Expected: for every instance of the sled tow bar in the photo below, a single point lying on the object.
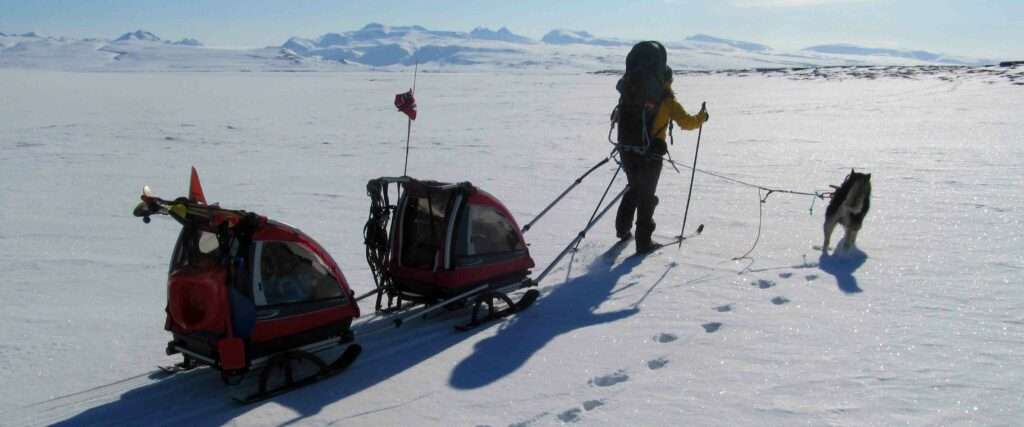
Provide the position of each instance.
(580, 236)
(564, 193)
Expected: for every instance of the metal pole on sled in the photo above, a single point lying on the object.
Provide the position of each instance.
(408, 130)
(564, 193)
(581, 235)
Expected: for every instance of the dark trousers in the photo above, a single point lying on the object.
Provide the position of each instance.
(643, 173)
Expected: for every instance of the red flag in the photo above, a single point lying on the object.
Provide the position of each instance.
(406, 104)
(195, 189)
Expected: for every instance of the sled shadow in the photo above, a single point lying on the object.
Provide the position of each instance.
(842, 266)
(198, 398)
(570, 305)
(185, 398)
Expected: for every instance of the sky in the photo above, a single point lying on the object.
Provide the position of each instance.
(976, 28)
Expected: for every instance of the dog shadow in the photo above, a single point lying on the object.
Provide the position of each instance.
(570, 306)
(842, 265)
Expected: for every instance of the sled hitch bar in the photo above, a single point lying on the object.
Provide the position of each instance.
(564, 193)
(580, 236)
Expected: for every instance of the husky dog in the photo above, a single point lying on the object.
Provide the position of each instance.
(849, 205)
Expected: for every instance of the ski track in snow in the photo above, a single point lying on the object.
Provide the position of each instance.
(919, 326)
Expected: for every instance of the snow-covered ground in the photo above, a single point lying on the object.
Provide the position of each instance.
(922, 325)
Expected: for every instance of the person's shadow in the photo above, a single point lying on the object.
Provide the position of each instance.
(570, 305)
(842, 265)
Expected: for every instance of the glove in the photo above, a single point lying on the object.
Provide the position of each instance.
(703, 116)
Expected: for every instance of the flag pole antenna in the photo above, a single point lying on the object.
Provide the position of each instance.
(408, 130)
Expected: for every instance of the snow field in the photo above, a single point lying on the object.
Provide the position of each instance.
(919, 326)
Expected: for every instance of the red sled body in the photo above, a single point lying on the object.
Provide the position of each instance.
(440, 240)
(243, 289)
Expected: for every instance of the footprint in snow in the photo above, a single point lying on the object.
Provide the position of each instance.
(724, 308)
(763, 284)
(530, 421)
(665, 337)
(711, 327)
(785, 275)
(811, 277)
(609, 380)
(570, 416)
(656, 364)
(780, 300)
(573, 415)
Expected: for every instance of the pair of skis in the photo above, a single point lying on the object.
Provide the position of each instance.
(677, 240)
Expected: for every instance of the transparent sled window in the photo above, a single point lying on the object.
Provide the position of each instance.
(484, 235)
(423, 229)
(290, 273)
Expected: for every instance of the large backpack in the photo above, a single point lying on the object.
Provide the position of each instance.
(641, 90)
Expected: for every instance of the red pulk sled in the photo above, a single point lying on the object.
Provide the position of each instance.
(444, 245)
(247, 293)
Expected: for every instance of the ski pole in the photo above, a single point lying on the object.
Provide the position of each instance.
(693, 173)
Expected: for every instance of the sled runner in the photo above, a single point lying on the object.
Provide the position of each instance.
(246, 293)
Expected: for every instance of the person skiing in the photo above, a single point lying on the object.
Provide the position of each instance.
(646, 107)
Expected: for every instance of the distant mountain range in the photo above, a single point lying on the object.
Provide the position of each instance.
(580, 37)
(748, 46)
(381, 46)
(147, 36)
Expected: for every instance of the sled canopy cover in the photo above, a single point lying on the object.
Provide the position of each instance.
(447, 237)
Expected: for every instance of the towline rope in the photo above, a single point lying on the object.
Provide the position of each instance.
(817, 194)
(763, 192)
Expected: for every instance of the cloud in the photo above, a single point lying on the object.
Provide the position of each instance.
(790, 3)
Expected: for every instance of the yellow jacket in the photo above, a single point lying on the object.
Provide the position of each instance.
(671, 110)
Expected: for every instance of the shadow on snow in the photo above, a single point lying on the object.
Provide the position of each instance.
(199, 398)
(842, 266)
(569, 306)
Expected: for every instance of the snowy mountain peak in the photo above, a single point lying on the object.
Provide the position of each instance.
(375, 30)
(374, 26)
(138, 35)
(188, 42)
(298, 44)
(920, 55)
(503, 34)
(579, 37)
(742, 45)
